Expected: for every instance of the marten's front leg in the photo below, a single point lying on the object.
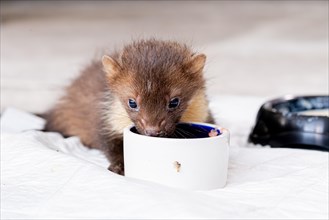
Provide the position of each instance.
(114, 152)
(117, 166)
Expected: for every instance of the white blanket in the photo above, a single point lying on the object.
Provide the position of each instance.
(46, 176)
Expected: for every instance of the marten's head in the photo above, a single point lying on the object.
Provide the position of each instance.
(155, 82)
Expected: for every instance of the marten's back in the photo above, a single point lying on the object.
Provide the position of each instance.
(78, 112)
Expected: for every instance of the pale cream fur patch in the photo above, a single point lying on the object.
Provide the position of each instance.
(117, 118)
(197, 110)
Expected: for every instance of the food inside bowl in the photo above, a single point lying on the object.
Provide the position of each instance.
(189, 130)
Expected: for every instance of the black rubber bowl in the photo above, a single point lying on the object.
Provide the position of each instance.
(293, 122)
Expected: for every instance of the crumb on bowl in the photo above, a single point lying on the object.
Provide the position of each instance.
(177, 166)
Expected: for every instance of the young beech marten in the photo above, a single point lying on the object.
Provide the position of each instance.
(150, 83)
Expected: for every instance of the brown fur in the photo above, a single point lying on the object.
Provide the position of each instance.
(152, 72)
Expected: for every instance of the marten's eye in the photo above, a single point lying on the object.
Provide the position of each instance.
(132, 104)
(174, 103)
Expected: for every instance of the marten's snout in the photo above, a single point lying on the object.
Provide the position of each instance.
(153, 130)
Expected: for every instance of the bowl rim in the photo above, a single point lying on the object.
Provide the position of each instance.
(224, 133)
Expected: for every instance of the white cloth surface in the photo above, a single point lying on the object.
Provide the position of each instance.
(15, 121)
(46, 176)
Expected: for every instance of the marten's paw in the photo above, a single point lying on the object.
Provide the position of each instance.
(117, 168)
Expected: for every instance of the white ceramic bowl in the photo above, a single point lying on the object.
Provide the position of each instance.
(189, 163)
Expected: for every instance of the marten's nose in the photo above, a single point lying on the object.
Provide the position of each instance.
(152, 131)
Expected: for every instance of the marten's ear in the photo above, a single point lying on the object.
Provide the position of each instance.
(111, 67)
(197, 63)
